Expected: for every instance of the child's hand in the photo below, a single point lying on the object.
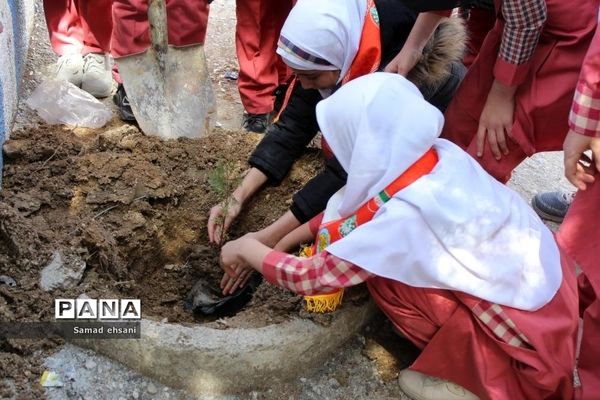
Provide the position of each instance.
(575, 160)
(231, 284)
(496, 120)
(217, 213)
(238, 259)
(231, 256)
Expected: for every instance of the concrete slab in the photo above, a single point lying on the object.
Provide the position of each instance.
(206, 361)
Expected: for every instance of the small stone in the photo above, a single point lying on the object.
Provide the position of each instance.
(135, 394)
(15, 148)
(152, 389)
(63, 272)
(303, 380)
(7, 280)
(333, 383)
(90, 364)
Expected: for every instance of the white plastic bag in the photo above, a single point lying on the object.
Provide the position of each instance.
(61, 102)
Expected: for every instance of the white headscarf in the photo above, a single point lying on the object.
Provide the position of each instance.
(455, 228)
(327, 29)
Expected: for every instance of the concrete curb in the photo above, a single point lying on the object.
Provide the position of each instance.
(207, 361)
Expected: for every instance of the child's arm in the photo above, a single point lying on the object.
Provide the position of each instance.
(303, 234)
(524, 23)
(318, 274)
(412, 51)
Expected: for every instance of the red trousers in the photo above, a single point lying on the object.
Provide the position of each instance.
(459, 346)
(480, 22)
(186, 20)
(79, 26)
(258, 26)
(579, 236)
(542, 101)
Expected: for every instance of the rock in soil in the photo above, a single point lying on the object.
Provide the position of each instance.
(63, 272)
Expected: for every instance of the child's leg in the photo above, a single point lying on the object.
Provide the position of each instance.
(258, 26)
(64, 26)
(417, 313)
(96, 22)
(579, 236)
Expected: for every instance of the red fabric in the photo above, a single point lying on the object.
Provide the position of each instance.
(258, 26)
(79, 26)
(319, 274)
(579, 236)
(587, 364)
(368, 57)
(186, 21)
(585, 112)
(459, 346)
(480, 22)
(524, 21)
(542, 101)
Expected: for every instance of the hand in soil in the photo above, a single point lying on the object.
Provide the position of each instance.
(231, 257)
(230, 284)
(220, 218)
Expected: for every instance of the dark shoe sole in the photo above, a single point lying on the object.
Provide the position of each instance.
(545, 215)
(123, 114)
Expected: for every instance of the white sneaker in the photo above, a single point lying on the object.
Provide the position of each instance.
(70, 68)
(97, 76)
(424, 387)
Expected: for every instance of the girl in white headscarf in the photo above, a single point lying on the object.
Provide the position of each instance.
(328, 43)
(459, 263)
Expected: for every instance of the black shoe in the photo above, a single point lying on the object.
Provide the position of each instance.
(552, 206)
(122, 102)
(256, 122)
(279, 94)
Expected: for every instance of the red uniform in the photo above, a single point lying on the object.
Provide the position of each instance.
(79, 26)
(545, 72)
(258, 26)
(579, 234)
(494, 351)
(480, 22)
(186, 20)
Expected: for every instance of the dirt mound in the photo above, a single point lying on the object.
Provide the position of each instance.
(134, 208)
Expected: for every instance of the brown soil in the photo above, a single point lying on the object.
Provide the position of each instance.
(135, 208)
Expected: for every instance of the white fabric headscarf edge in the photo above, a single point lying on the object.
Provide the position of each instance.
(328, 29)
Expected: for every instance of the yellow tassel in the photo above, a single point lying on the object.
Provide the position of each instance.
(324, 303)
(306, 251)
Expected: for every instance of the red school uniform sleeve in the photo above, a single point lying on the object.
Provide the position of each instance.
(585, 112)
(524, 23)
(322, 273)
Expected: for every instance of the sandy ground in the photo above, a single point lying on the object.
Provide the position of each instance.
(365, 368)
